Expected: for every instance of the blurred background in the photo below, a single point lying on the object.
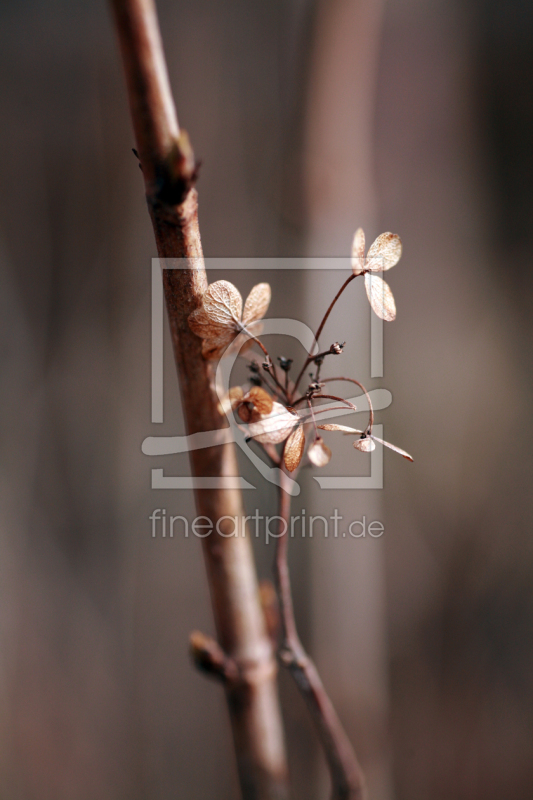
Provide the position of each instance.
(311, 118)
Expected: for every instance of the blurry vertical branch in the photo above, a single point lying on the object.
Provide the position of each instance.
(248, 668)
(347, 779)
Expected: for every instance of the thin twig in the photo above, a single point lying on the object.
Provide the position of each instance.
(368, 400)
(347, 780)
(321, 327)
(169, 172)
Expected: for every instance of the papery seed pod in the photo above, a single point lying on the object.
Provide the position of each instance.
(366, 445)
(319, 453)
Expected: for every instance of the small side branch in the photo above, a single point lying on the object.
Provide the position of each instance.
(209, 657)
(347, 780)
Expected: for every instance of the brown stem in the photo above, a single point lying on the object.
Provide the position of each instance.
(368, 400)
(271, 368)
(347, 780)
(310, 405)
(333, 397)
(321, 327)
(166, 163)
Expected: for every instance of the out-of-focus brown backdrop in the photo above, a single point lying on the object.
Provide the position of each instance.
(310, 119)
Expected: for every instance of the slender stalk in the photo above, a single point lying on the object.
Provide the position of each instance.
(347, 780)
(169, 172)
(368, 400)
(271, 368)
(321, 328)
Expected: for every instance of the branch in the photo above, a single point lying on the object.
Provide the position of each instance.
(169, 172)
(347, 780)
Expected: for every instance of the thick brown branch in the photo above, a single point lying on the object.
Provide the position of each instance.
(166, 162)
(347, 780)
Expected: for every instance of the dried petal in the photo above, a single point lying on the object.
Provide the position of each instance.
(384, 253)
(393, 447)
(257, 303)
(261, 400)
(255, 405)
(235, 395)
(366, 445)
(274, 427)
(217, 319)
(342, 428)
(222, 303)
(230, 400)
(202, 325)
(294, 448)
(319, 453)
(358, 250)
(380, 297)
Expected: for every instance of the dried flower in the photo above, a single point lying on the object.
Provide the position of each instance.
(254, 405)
(383, 254)
(366, 441)
(220, 318)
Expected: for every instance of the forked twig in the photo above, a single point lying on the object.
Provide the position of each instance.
(347, 780)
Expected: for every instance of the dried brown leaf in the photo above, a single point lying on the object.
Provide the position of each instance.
(393, 447)
(384, 253)
(358, 250)
(342, 428)
(319, 453)
(294, 448)
(257, 303)
(380, 297)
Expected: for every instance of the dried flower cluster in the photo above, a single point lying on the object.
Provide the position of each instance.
(273, 410)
